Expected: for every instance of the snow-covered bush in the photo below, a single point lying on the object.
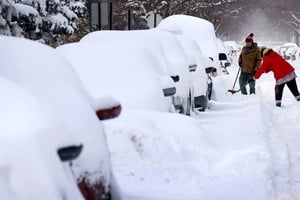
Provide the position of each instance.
(40, 19)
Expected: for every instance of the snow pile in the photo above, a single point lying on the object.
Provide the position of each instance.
(155, 154)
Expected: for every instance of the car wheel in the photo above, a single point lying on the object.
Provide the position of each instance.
(189, 104)
(201, 103)
(209, 90)
(179, 109)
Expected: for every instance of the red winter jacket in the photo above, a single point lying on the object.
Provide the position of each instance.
(272, 61)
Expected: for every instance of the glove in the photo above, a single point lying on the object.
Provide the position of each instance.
(251, 80)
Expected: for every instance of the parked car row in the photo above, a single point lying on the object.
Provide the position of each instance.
(177, 56)
(157, 54)
(289, 51)
(51, 136)
(55, 100)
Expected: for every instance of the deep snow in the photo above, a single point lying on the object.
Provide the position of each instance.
(243, 147)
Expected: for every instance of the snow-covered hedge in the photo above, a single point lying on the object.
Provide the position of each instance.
(40, 19)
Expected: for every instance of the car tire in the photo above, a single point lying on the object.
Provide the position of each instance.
(201, 103)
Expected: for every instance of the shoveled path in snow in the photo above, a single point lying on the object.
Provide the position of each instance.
(243, 147)
(234, 150)
(244, 123)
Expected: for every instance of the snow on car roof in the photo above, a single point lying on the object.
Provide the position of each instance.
(164, 45)
(198, 29)
(124, 72)
(140, 38)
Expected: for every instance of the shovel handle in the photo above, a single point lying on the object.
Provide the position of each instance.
(236, 78)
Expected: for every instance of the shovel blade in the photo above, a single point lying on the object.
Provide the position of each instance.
(232, 91)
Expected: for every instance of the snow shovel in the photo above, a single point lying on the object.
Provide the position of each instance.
(235, 91)
(231, 90)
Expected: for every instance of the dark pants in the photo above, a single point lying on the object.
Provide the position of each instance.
(292, 85)
(243, 80)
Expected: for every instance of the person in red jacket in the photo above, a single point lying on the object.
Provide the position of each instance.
(284, 73)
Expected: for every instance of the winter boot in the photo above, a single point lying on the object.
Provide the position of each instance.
(278, 103)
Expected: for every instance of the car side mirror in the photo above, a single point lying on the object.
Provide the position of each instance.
(227, 64)
(169, 91)
(175, 78)
(168, 85)
(107, 108)
(69, 153)
(222, 56)
(209, 70)
(192, 68)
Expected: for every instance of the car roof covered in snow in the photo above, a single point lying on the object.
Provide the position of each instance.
(125, 72)
(201, 30)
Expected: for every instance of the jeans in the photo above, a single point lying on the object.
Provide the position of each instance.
(243, 80)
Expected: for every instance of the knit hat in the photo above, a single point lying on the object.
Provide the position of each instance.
(264, 50)
(249, 38)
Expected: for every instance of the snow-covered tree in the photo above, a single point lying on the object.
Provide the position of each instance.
(40, 19)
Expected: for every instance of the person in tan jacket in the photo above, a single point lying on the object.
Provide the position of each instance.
(249, 62)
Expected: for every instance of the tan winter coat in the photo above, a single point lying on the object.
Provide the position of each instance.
(250, 59)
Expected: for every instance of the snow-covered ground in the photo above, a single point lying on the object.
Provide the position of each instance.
(243, 147)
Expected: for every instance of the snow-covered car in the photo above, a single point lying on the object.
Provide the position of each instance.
(289, 51)
(45, 74)
(201, 69)
(167, 49)
(177, 66)
(200, 30)
(223, 56)
(34, 143)
(121, 70)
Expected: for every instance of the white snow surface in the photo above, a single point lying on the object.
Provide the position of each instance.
(243, 147)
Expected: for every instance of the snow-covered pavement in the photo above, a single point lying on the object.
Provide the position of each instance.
(243, 147)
